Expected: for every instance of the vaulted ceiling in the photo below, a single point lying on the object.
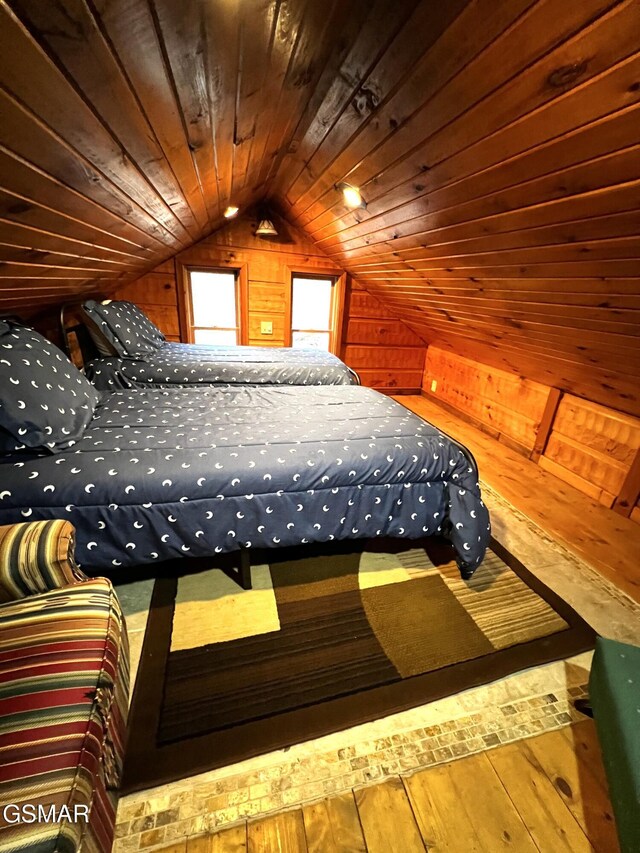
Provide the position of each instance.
(496, 143)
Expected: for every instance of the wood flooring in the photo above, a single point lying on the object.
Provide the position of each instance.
(547, 794)
(606, 540)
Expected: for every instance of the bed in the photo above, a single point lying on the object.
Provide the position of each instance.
(150, 475)
(134, 354)
(193, 364)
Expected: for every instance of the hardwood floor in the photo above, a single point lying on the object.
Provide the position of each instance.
(547, 794)
(606, 540)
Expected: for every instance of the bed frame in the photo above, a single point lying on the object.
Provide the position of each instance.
(77, 341)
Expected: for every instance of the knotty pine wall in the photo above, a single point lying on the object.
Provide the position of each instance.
(592, 447)
(506, 406)
(385, 352)
(496, 145)
(157, 294)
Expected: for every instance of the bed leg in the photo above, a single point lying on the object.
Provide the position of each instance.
(244, 569)
(241, 573)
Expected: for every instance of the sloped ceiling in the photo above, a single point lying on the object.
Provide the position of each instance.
(495, 141)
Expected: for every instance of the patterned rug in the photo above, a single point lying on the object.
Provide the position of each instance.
(326, 639)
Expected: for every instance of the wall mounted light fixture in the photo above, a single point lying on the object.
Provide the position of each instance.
(351, 195)
(231, 211)
(266, 228)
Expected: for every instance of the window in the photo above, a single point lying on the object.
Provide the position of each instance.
(214, 309)
(312, 312)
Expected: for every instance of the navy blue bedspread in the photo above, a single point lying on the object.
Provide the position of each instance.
(168, 473)
(193, 364)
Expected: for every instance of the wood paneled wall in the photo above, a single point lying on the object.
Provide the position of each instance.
(384, 351)
(156, 293)
(497, 147)
(593, 448)
(505, 405)
(269, 264)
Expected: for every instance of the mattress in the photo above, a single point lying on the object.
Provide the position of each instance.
(160, 474)
(193, 364)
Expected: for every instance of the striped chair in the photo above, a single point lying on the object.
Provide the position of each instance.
(64, 684)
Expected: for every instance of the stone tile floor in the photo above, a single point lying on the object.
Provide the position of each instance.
(516, 707)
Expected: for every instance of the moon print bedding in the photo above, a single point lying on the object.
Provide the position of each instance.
(159, 474)
(193, 364)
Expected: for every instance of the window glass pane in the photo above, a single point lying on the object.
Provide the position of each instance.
(311, 308)
(310, 340)
(220, 337)
(213, 296)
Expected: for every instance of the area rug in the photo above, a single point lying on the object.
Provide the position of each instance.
(325, 640)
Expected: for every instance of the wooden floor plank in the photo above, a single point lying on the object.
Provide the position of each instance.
(583, 740)
(606, 540)
(176, 847)
(333, 826)
(280, 833)
(487, 807)
(232, 840)
(443, 824)
(387, 819)
(545, 794)
(580, 783)
(539, 804)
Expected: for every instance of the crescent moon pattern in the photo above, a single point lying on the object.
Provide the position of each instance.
(371, 469)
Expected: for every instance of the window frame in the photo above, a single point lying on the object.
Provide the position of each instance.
(185, 308)
(336, 318)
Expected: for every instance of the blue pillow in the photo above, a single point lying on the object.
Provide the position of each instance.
(45, 402)
(125, 327)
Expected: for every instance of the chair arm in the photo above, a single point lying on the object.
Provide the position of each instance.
(35, 557)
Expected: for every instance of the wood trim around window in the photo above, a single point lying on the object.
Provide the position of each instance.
(337, 302)
(184, 297)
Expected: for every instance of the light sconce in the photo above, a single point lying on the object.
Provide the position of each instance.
(231, 211)
(351, 195)
(266, 228)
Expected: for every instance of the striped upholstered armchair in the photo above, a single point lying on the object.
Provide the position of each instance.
(64, 683)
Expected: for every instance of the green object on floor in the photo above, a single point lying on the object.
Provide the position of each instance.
(614, 687)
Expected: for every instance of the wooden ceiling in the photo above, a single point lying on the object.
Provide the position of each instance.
(128, 126)
(495, 141)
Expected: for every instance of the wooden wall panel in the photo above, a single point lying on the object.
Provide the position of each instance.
(501, 174)
(507, 406)
(384, 332)
(592, 447)
(268, 265)
(384, 351)
(156, 294)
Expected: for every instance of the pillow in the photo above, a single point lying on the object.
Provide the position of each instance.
(45, 402)
(125, 327)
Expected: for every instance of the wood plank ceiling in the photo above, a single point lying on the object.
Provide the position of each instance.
(496, 143)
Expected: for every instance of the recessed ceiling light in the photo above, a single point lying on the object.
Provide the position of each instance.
(231, 211)
(351, 195)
